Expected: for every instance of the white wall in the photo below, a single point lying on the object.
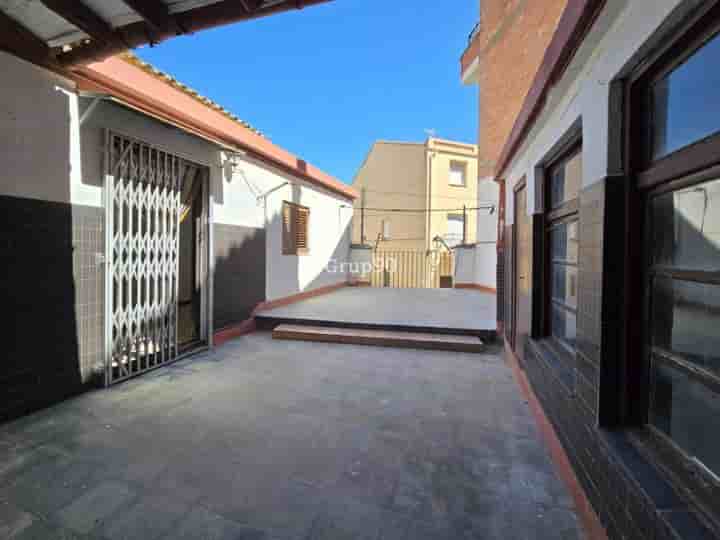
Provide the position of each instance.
(583, 92)
(236, 203)
(477, 265)
(235, 190)
(109, 115)
(487, 222)
(330, 228)
(45, 154)
(464, 265)
(38, 135)
(486, 265)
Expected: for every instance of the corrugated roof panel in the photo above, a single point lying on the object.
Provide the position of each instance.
(41, 21)
(56, 31)
(117, 13)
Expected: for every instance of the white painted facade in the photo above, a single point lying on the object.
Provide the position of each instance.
(478, 264)
(583, 93)
(252, 195)
(47, 155)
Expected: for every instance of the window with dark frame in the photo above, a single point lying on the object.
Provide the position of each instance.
(679, 178)
(295, 220)
(563, 183)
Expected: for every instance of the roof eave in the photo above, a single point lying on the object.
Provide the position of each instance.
(146, 93)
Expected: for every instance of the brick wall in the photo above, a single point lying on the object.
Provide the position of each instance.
(512, 42)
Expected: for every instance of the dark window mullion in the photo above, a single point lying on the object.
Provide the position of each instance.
(563, 305)
(564, 211)
(699, 276)
(709, 379)
(564, 262)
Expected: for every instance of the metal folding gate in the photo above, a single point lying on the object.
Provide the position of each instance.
(143, 185)
(412, 269)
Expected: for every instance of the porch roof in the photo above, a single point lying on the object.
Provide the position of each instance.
(71, 32)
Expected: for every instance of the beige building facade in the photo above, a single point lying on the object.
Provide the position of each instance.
(413, 193)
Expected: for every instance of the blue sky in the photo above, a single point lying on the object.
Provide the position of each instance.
(326, 82)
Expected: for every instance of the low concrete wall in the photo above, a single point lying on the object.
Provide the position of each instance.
(361, 259)
(476, 266)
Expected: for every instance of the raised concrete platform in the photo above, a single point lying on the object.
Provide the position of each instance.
(379, 338)
(445, 311)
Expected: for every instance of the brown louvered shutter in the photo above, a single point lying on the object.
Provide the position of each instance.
(288, 238)
(295, 219)
(302, 218)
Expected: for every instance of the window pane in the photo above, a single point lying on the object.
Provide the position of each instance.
(564, 325)
(564, 284)
(688, 412)
(566, 180)
(686, 227)
(686, 103)
(686, 321)
(564, 242)
(457, 173)
(455, 229)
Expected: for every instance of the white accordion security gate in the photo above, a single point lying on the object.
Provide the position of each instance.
(143, 188)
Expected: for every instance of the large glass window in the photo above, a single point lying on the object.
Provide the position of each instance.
(675, 310)
(564, 182)
(685, 103)
(685, 319)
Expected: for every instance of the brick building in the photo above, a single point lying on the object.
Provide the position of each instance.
(611, 257)
(504, 52)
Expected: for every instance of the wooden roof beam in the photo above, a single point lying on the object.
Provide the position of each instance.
(84, 18)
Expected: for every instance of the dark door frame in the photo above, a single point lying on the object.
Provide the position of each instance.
(521, 185)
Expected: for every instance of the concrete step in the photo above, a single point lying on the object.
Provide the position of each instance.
(380, 338)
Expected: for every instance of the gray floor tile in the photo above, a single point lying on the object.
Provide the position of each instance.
(290, 441)
(13, 520)
(201, 524)
(95, 506)
(149, 517)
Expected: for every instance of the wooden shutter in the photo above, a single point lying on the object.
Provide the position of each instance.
(288, 239)
(301, 229)
(295, 219)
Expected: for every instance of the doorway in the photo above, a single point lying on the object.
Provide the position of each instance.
(156, 284)
(190, 271)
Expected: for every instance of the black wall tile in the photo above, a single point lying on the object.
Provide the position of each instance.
(239, 273)
(629, 493)
(52, 288)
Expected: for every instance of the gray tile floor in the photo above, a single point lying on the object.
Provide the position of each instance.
(464, 309)
(279, 440)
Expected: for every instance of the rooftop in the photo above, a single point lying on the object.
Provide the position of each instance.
(153, 92)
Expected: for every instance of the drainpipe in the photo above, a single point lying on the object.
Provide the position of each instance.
(428, 198)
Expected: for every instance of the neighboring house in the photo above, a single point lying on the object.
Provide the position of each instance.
(504, 52)
(141, 221)
(430, 183)
(612, 300)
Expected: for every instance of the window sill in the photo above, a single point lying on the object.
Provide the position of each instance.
(697, 491)
(296, 253)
